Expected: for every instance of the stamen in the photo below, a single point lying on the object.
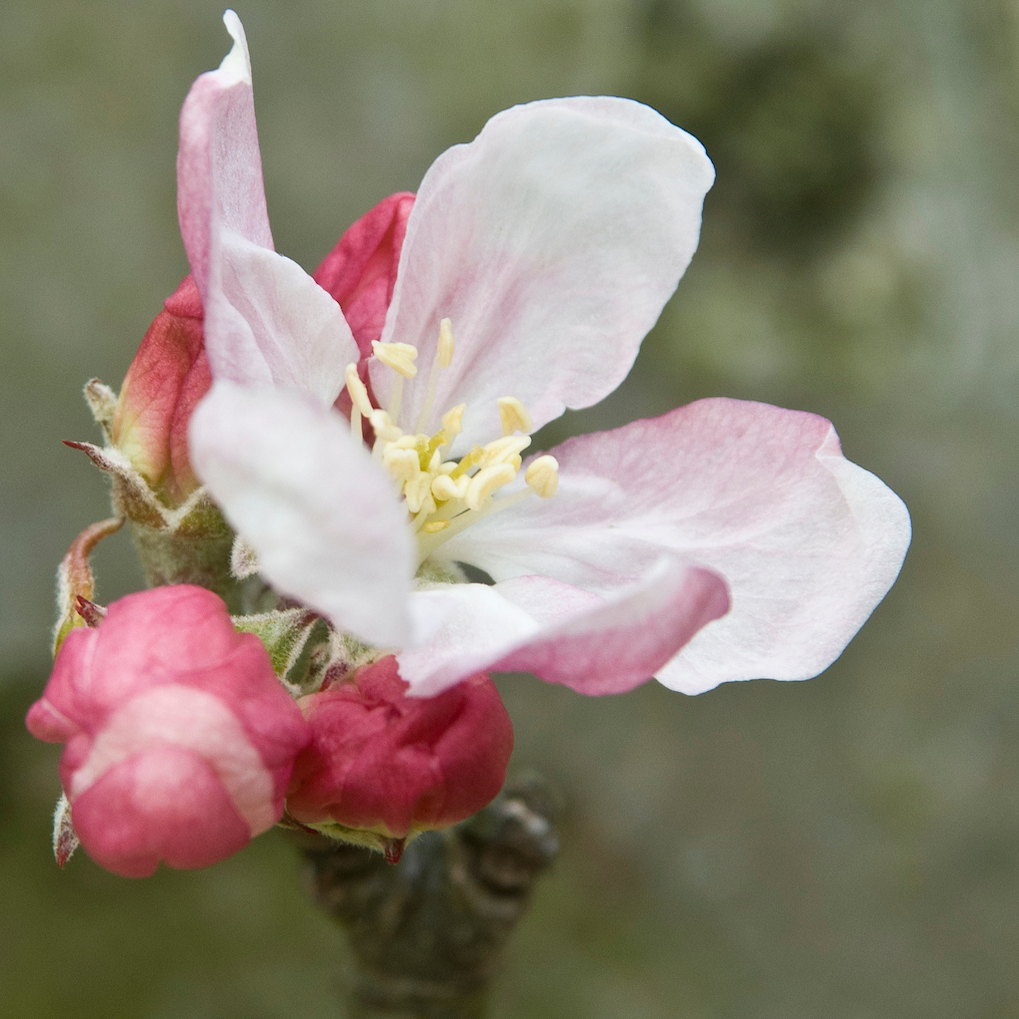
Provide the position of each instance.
(443, 359)
(427, 545)
(398, 356)
(514, 416)
(418, 494)
(446, 344)
(485, 482)
(453, 420)
(395, 397)
(505, 449)
(443, 496)
(403, 464)
(383, 425)
(445, 488)
(543, 476)
(361, 405)
(472, 458)
(358, 391)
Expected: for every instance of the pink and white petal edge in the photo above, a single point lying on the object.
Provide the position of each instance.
(266, 320)
(808, 542)
(321, 516)
(561, 633)
(552, 242)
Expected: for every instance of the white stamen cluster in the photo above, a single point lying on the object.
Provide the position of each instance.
(445, 496)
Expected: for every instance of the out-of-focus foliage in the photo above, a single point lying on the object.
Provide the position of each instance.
(847, 847)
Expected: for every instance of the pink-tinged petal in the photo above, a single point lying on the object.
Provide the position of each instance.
(623, 642)
(561, 633)
(360, 272)
(552, 242)
(219, 166)
(394, 764)
(167, 377)
(166, 804)
(267, 322)
(807, 541)
(323, 518)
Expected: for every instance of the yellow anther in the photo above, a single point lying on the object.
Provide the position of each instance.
(543, 476)
(446, 344)
(445, 488)
(452, 420)
(404, 442)
(398, 356)
(505, 449)
(434, 526)
(513, 415)
(403, 464)
(358, 392)
(383, 426)
(472, 458)
(418, 493)
(485, 482)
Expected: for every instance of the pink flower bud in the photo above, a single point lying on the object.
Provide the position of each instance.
(180, 740)
(394, 765)
(167, 378)
(360, 272)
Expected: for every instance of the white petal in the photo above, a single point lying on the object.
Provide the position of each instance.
(552, 242)
(268, 322)
(323, 519)
(808, 542)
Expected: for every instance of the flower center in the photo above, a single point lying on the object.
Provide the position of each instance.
(443, 496)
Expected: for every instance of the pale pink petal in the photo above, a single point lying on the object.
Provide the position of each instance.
(219, 167)
(807, 541)
(552, 242)
(561, 633)
(322, 517)
(266, 320)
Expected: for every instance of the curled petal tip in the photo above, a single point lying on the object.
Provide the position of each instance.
(237, 62)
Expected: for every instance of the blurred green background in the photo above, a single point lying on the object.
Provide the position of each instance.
(847, 847)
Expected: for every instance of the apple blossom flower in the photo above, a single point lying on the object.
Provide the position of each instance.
(382, 766)
(724, 541)
(180, 740)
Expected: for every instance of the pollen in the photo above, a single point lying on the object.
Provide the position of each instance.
(443, 495)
